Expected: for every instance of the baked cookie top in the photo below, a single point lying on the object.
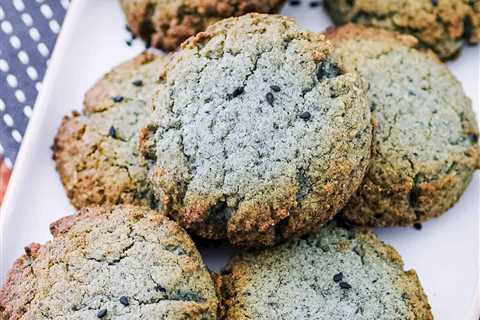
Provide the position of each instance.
(257, 134)
(135, 79)
(167, 23)
(425, 145)
(96, 152)
(440, 24)
(120, 262)
(96, 155)
(334, 275)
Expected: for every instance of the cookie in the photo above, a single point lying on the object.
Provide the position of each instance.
(135, 79)
(166, 24)
(441, 25)
(120, 262)
(257, 135)
(425, 146)
(96, 155)
(334, 275)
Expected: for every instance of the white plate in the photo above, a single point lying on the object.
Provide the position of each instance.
(445, 252)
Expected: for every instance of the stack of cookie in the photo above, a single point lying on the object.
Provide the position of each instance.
(256, 132)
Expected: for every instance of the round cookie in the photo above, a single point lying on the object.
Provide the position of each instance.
(425, 146)
(441, 25)
(135, 79)
(166, 24)
(96, 152)
(334, 275)
(96, 155)
(116, 263)
(257, 135)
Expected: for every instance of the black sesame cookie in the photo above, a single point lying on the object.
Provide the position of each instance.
(96, 156)
(336, 274)
(165, 24)
(134, 79)
(425, 146)
(120, 262)
(96, 152)
(441, 25)
(257, 134)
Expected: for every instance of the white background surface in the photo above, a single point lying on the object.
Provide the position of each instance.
(445, 252)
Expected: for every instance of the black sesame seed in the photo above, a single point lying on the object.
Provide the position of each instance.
(305, 115)
(327, 70)
(159, 288)
(295, 3)
(124, 301)
(112, 132)
(345, 285)
(238, 92)
(314, 4)
(338, 277)
(417, 226)
(473, 137)
(275, 88)
(344, 224)
(468, 27)
(270, 98)
(137, 83)
(117, 98)
(102, 313)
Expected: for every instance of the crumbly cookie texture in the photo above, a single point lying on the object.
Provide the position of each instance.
(425, 146)
(96, 155)
(117, 263)
(441, 25)
(166, 24)
(135, 79)
(257, 134)
(334, 275)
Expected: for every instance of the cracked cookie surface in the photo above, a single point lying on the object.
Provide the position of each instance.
(334, 275)
(96, 153)
(167, 23)
(257, 135)
(117, 263)
(425, 146)
(441, 25)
